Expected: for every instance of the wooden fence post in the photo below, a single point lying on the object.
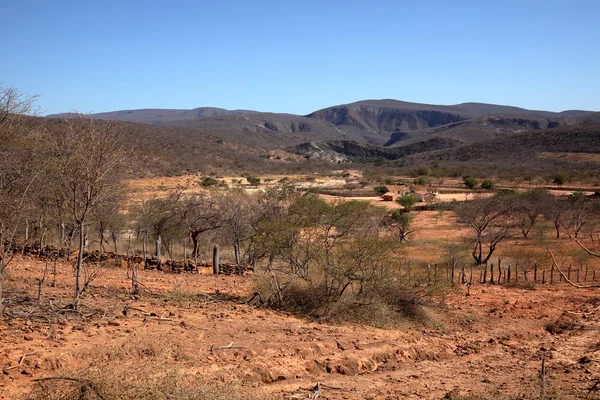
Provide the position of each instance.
(484, 274)
(471, 276)
(543, 276)
(216, 260)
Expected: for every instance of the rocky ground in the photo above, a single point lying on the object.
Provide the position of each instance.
(489, 344)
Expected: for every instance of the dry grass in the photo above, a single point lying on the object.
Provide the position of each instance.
(144, 367)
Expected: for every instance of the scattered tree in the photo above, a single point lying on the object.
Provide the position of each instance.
(488, 219)
(88, 156)
(469, 181)
(407, 201)
(487, 184)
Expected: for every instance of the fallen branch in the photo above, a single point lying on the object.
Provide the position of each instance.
(228, 347)
(583, 247)
(253, 297)
(21, 360)
(567, 279)
(86, 382)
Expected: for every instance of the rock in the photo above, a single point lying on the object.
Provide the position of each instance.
(584, 360)
(29, 338)
(113, 323)
(259, 374)
(348, 367)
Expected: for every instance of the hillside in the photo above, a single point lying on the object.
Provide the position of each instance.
(382, 122)
(173, 150)
(156, 116)
(563, 148)
(209, 140)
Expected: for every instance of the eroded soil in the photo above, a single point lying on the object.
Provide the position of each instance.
(488, 344)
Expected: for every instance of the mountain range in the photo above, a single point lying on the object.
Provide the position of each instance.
(363, 130)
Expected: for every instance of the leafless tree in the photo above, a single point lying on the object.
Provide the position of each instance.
(88, 156)
(489, 220)
(555, 211)
(239, 209)
(201, 213)
(530, 207)
(160, 218)
(20, 170)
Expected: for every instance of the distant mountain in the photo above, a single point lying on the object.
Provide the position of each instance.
(390, 121)
(563, 148)
(157, 116)
(369, 129)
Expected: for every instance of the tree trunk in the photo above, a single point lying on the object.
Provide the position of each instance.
(216, 260)
(236, 248)
(158, 251)
(115, 238)
(101, 243)
(1, 285)
(145, 249)
(79, 263)
(63, 234)
(194, 238)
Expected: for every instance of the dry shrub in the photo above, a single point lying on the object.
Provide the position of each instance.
(530, 285)
(144, 367)
(384, 305)
(144, 382)
(184, 299)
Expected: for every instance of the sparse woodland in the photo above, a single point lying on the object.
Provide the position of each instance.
(63, 194)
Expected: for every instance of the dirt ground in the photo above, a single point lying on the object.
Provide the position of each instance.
(488, 344)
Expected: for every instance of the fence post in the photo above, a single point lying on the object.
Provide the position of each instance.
(543, 276)
(484, 274)
(216, 264)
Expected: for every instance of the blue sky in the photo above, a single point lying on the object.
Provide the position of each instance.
(300, 56)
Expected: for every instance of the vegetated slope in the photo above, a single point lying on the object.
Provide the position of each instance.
(268, 129)
(157, 116)
(512, 152)
(174, 150)
(518, 152)
(481, 128)
(349, 150)
(523, 147)
(391, 121)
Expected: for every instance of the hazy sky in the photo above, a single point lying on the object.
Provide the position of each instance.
(300, 56)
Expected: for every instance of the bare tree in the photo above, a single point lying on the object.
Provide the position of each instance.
(489, 219)
(20, 170)
(108, 220)
(555, 211)
(88, 158)
(238, 211)
(401, 223)
(577, 214)
(160, 218)
(201, 213)
(530, 208)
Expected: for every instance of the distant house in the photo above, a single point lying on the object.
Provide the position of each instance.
(392, 192)
(389, 196)
(423, 193)
(397, 189)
